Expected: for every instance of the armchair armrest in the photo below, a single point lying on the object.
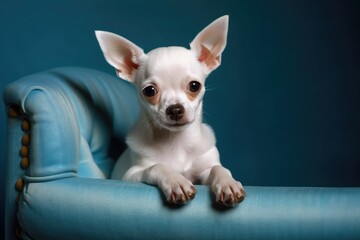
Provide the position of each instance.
(67, 108)
(61, 124)
(78, 208)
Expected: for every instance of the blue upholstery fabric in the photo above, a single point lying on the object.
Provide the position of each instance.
(79, 107)
(108, 209)
(78, 120)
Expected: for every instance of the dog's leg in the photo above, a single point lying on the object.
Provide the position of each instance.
(227, 190)
(176, 188)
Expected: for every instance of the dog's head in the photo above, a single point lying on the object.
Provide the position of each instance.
(170, 80)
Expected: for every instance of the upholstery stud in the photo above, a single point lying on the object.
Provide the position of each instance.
(25, 163)
(13, 111)
(19, 185)
(24, 151)
(26, 140)
(25, 125)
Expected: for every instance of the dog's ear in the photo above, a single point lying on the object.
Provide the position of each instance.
(210, 43)
(120, 53)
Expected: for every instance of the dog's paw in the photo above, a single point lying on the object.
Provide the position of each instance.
(178, 189)
(228, 192)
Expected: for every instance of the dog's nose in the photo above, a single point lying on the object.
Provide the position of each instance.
(175, 112)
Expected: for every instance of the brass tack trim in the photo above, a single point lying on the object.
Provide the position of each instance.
(19, 185)
(13, 111)
(25, 163)
(26, 140)
(24, 151)
(25, 125)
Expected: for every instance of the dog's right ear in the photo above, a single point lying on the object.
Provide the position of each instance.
(120, 53)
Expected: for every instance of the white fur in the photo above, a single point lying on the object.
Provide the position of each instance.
(169, 146)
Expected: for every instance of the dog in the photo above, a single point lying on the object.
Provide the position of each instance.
(169, 146)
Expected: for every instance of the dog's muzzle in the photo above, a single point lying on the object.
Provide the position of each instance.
(175, 112)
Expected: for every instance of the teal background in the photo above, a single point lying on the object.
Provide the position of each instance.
(284, 104)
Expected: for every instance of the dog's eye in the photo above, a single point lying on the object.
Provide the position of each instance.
(149, 91)
(194, 86)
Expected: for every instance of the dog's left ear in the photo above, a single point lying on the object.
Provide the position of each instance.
(210, 43)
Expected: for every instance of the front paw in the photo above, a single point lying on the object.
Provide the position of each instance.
(228, 192)
(178, 189)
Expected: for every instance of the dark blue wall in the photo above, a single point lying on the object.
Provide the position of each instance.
(284, 104)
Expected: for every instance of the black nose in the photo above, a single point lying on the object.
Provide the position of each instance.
(175, 112)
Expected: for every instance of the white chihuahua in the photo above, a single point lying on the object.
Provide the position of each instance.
(170, 146)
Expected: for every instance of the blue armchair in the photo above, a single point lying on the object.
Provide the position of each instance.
(65, 128)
